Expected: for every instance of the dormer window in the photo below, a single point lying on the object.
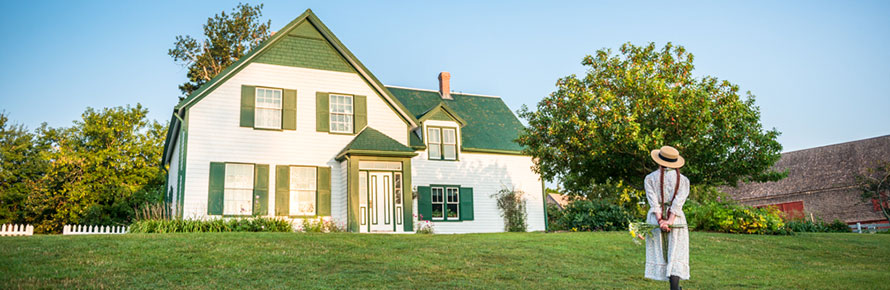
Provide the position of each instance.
(442, 143)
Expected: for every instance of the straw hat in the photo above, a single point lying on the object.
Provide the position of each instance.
(668, 156)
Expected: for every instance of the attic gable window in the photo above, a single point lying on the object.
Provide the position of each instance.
(268, 109)
(442, 143)
(341, 113)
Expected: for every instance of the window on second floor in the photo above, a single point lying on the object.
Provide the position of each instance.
(341, 114)
(442, 143)
(268, 108)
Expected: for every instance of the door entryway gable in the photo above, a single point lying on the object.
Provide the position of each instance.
(379, 196)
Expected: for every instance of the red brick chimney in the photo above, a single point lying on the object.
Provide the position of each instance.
(445, 85)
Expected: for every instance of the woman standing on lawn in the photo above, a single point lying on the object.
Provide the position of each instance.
(666, 191)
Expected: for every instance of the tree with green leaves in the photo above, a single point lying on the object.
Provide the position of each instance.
(98, 171)
(21, 162)
(228, 37)
(875, 186)
(602, 127)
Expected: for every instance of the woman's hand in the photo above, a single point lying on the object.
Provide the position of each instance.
(665, 227)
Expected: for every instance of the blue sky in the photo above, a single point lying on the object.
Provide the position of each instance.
(820, 70)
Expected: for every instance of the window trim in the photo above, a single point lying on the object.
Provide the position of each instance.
(331, 114)
(445, 203)
(252, 189)
(256, 107)
(442, 144)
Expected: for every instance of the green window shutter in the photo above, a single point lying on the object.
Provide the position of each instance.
(324, 191)
(289, 110)
(248, 103)
(282, 190)
(424, 203)
(322, 112)
(360, 107)
(217, 188)
(466, 204)
(261, 190)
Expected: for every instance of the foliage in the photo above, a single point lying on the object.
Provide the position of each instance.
(424, 227)
(96, 172)
(706, 193)
(632, 200)
(816, 226)
(554, 214)
(875, 187)
(511, 202)
(228, 37)
(255, 224)
(592, 215)
(320, 225)
(22, 161)
(729, 217)
(603, 126)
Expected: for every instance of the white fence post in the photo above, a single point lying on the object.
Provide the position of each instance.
(16, 230)
(93, 230)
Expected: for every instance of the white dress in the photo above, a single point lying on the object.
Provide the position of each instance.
(678, 238)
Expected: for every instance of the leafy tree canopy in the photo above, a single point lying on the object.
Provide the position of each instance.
(602, 127)
(96, 172)
(228, 37)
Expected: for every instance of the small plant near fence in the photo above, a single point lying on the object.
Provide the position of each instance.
(511, 202)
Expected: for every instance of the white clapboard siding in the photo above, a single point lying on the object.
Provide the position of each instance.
(93, 230)
(215, 135)
(16, 230)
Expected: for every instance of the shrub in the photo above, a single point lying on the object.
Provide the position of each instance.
(319, 225)
(593, 215)
(728, 217)
(511, 202)
(631, 199)
(554, 213)
(817, 226)
(257, 224)
(424, 227)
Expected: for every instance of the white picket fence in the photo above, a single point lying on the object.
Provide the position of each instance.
(93, 230)
(16, 230)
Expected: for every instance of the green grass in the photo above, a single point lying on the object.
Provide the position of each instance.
(342, 260)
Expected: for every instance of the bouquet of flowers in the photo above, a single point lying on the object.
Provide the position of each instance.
(642, 230)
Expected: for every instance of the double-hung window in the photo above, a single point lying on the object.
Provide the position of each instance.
(302, 191)
(442, 143)
(268, 108)
(341, 113)
(445, 203)
(238, 189)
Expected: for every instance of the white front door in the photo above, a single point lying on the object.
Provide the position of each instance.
(380, 202)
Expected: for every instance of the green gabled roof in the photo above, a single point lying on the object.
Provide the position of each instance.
(371, 142)
(490, 125)
(442, 112)
(303, 38)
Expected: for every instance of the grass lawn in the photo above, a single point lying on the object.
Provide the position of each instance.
(511, 260)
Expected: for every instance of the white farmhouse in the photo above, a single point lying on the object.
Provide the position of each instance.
(299, 128)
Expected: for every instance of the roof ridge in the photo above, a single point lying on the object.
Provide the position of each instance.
(435, 91)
